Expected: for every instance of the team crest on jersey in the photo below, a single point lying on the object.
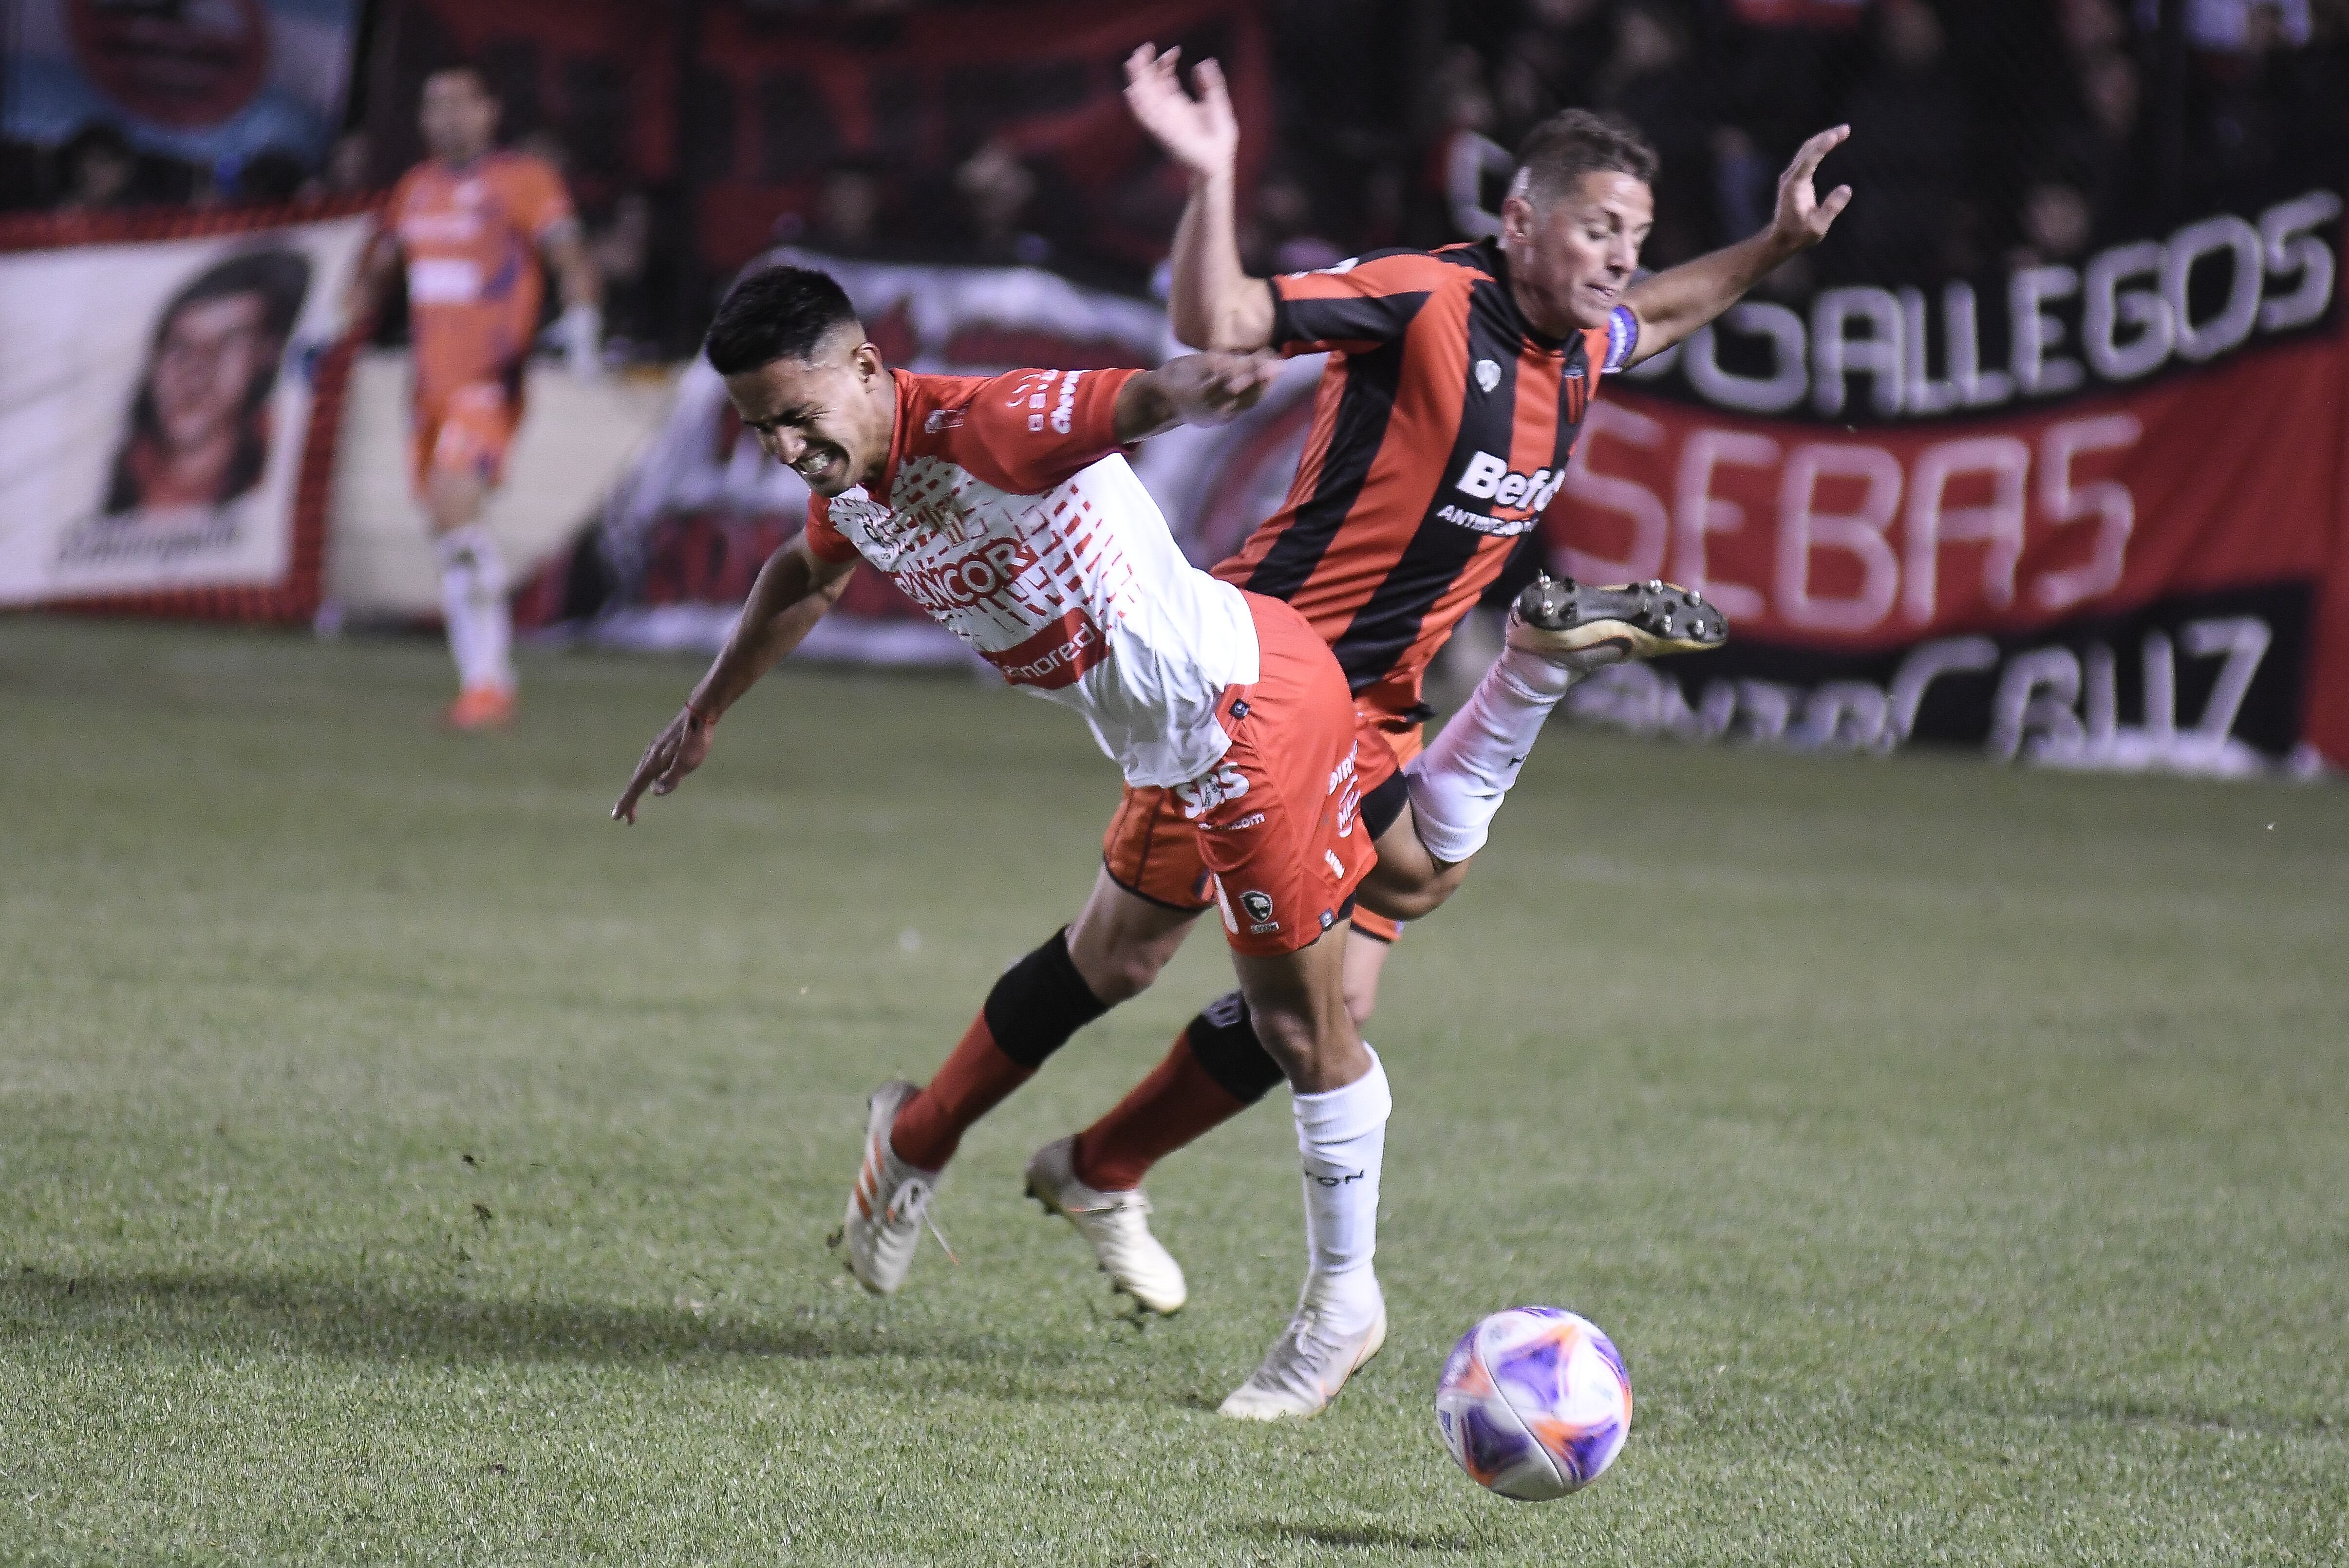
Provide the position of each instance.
(1260, 912)
(1488, 375)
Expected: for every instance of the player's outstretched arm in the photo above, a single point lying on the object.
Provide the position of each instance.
(581, 327)
(371, 279)
(1675, 303)
(793, 591)
(1214, 303)
(1192, 390)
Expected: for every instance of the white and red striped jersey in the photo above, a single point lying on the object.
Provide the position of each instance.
(1007, 511)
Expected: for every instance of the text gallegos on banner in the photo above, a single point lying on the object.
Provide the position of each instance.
(2091, 518)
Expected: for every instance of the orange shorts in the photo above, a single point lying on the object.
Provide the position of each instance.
(1271, 836)
(468, 432)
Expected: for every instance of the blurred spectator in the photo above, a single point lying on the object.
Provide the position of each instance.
(345, 173)
(2057, 224)
(271, 177)
(1651, 80)
(620, 241)
(847, 218)
(1551, 62)
(1906, 160)
(96, 170)
(1278, 233)
(995, 192)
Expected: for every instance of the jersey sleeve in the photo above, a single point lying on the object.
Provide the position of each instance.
(825, 541)
(536, 197)
(1354, 306)
(1610, 347)
(1027, 430)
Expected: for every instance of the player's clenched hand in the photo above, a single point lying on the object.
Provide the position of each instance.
(1194, 389)
(675, 752)
(1803, 218)
(1201, 133)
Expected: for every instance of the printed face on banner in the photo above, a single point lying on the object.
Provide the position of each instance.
(157, 397)
(197, 433)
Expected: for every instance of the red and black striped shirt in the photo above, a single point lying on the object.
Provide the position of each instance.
(1441, 433)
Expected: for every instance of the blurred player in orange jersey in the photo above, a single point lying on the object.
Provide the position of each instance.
(470, 223)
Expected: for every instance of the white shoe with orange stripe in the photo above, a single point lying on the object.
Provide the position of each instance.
(889, 1202)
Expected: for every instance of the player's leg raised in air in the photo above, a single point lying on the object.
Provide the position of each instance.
(1557, 630)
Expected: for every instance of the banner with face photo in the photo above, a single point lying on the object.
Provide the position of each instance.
(157, 400)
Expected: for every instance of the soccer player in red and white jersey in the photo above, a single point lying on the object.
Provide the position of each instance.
(1005, 507)
(471, 222)
(1457, 383)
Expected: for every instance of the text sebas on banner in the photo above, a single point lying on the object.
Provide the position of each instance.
(2090, 516)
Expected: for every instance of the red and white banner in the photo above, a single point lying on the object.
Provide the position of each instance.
(168, 402)
(2113, 530)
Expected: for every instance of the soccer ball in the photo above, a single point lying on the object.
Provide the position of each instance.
(1533, 1403)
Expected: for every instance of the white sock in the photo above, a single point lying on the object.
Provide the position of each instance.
(1341, 1134)
(473, 603)
(1458, 783)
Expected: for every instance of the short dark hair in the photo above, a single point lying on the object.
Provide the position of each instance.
(776, 313)
(1561, 150)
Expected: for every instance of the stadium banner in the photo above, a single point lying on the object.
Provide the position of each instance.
(169, 402)
(691, 523)
(210, 83)
(2116, 537)
(2099, 518)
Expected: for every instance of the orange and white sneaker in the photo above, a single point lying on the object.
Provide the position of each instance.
(481, 708)
(888, 1203)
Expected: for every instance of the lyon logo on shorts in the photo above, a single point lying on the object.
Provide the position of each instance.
(1201, 796)
(1259, 913)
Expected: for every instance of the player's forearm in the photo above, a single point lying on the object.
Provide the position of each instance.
(1212, 294)
(1675, 303)
(793, 592)
(370, 279)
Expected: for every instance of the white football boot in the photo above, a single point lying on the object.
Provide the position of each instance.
(1115, 1225)
(1587, 628)
(1306, 1366)
(889, 1202)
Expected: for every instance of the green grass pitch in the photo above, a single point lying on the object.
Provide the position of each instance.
(399, 1162)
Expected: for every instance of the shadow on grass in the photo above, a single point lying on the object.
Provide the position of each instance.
(1291, 1532)
(211, 1312)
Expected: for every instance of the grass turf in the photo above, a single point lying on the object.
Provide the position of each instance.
(399, 1162)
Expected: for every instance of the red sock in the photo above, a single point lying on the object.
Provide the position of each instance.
(972, 1081)
(1175, 1104)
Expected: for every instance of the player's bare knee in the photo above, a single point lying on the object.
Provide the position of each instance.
(1126, 970)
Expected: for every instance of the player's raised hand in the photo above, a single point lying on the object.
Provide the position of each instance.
(1202, 133)
(675, 752)
(1804, 217)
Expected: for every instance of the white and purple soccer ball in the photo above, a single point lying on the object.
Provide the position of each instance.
(1533, 1403)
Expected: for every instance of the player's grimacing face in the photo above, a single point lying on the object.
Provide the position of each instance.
(827, 419)
(1572, 262)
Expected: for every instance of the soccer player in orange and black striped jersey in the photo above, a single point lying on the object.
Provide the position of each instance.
(1457, 383)
(1441, 433)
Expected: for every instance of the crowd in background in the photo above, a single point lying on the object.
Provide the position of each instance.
(1983, 131)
